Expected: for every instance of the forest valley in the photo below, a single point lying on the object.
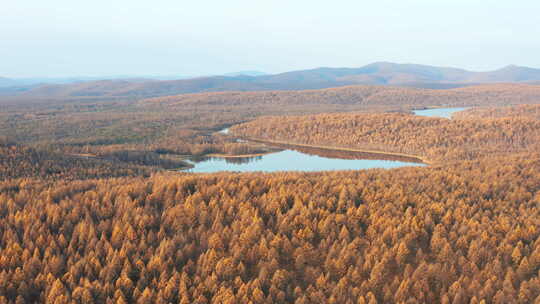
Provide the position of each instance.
(94, 208)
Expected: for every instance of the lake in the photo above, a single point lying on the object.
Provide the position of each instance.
(291, 160)
(439, 112)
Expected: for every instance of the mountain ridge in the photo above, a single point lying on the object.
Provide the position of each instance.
(377, 73)
(4, 81)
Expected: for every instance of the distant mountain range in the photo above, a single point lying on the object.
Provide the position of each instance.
(10, 82)
(380, 73)
(6, 82)
(245, 73)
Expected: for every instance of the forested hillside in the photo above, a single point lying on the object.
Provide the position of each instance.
(528, 111)
(186, 124)
(365, 96)
(462, 234)
(433, 139)
(17, 161)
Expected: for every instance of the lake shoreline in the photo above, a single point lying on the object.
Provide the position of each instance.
(413, 158)
(238, 155)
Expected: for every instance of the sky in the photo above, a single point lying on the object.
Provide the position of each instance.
(61, 38)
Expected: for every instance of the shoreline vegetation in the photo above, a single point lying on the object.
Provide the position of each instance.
(239, 155)
(280, 145)
(273, 146)
(365, 153)
(355, 153)
(429, 139)
(401, 156)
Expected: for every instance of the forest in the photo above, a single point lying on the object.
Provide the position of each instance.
(374, 97)
(432, 139)
(93, 208)
(525, 111)
(467, 233)
(187, 124)
(18, 161)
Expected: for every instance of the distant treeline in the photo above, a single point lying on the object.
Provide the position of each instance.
(367, 96)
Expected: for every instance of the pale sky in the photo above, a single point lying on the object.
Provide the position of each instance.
(59, 38)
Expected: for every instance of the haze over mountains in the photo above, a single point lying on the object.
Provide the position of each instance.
(6, 82)
(29, 82)
(380, 73)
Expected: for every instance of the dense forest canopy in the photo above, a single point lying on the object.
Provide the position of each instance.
(17, 161)
(434, 139)
(465, 233)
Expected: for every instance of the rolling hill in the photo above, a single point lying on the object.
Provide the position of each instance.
(356, 97)
(380, 73)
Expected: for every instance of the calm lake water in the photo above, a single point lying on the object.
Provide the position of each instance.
(291, 160)
(441, 112)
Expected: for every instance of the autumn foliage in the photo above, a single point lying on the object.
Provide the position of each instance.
(360, 96)
(528, 111)
(434, 139)
(18, 161)
(461, 234)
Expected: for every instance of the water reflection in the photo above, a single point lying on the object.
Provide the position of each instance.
(291, 160)
(229, 160)
(295, 158)
(328, 153)
(439, 112)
